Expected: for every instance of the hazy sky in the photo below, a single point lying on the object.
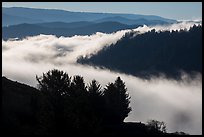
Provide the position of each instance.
(173, 10)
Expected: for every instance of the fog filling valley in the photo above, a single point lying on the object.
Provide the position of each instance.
(177, 103)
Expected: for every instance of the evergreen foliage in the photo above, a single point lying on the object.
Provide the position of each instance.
(153, 53)
(62, 105)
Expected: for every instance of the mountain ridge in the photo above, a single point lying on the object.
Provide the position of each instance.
(52, 15)
(24, 30)
(153, 53)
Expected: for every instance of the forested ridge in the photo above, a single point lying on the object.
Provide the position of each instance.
(153, 53)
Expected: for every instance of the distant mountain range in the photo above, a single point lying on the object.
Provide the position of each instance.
(18, 22)
(18, 15)
(69, 25)
(62, 29)
(153, 53)
(139, 21)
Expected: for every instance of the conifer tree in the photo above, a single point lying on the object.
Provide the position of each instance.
(117, 101)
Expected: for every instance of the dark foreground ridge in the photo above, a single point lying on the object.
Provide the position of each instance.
(64, 105)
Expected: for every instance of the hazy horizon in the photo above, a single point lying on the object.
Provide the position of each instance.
(179, 10)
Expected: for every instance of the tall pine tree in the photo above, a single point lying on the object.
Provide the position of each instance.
(117, 101)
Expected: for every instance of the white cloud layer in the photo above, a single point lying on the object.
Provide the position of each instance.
(177, 103)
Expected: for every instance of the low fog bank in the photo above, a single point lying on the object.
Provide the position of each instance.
(177, 103)
(181, 25)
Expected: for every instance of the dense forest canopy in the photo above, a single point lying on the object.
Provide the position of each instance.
(152, 53)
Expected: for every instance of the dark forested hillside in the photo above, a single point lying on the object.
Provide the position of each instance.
(18, 107)
(152, 53)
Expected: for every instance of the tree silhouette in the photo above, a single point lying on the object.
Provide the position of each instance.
(94, 89)
(78, 87)
(124, 98)
(117, 101)
(97, 103)
(54, 85)
(71, 108)
(96, 97)
(157, 125)
(80, 105)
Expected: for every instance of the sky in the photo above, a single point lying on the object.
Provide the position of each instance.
(171, 10)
